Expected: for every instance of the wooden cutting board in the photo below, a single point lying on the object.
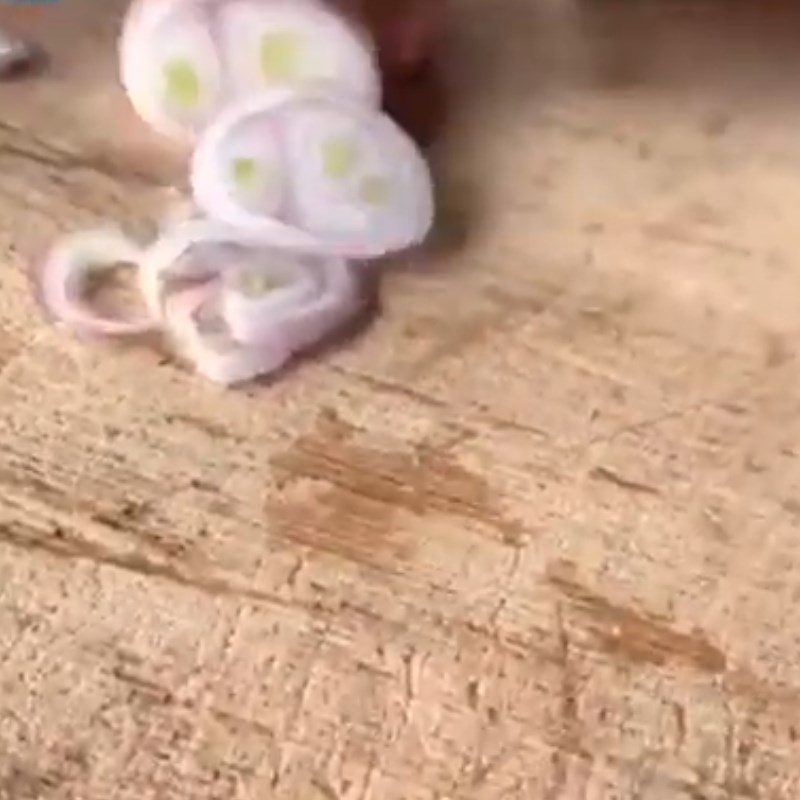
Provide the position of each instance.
(533, 532)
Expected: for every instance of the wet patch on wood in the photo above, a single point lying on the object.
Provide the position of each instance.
(363, 489)
(631, 636)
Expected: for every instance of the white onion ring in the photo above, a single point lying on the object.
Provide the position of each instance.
(352, 70)
(216, 356)
(63, 277)
(398, 155)
(220, 36)
(164, 260)
(252, 319)
(240, 347)
(323, 297)
(146, 25)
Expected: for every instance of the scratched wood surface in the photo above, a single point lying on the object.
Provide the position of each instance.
(534, 533)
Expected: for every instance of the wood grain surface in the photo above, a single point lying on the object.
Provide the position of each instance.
(533, 532)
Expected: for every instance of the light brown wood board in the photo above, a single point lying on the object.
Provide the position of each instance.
(533, 533)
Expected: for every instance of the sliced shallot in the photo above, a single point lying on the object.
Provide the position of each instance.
(181, 61)
(356, 185)
(65, 275)
(195, 324)
(170, 65)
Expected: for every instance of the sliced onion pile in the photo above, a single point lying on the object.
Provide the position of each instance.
(296, 174)
(235, 310)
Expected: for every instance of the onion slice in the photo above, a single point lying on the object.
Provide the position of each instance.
(66, 271)
(357, 185)
(325, 295)
(181, 61)
(170, 65)
(248, 308)
(270, 43)
(188, 251)
(195, 324)
(198, 323)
